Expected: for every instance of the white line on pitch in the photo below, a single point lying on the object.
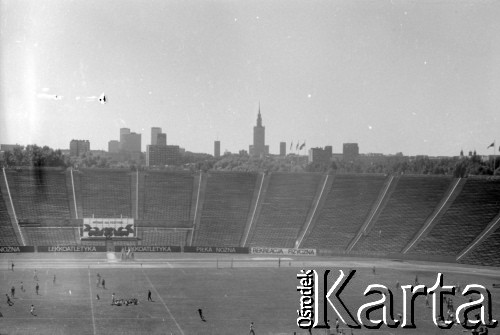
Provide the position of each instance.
(162, 301)
(91, 302)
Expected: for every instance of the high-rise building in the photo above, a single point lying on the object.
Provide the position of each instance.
(320, 156)
(161, 139)
(161, 155)
(113, 146)
(124, 131)
(130, 142)
(217, 149)
(78, 147)
(154, 135)
(283, 149)
(157, 137)
(259, 147)
(350, 151)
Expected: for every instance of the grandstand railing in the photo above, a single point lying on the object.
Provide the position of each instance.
(348, 202)
(436, 213)
(74, 195)
(409, 206)
(299, 241)
(467, 217)
(486, 252)
(23, 241)
(286, 203)
(137, 194)
(247, 231)
(226, 207)
(196, 215)
(375, 211)
(481, 237)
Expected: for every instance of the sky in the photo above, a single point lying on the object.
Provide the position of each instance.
(417, 77)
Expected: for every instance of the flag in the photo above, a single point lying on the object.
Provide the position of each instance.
(303, 145)
(297, 146)
(291, 145)
(491, 145)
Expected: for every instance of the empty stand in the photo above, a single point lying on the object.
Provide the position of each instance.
(8, 226)
(4, 213)
(344, 211)
(163, 237)
(487, 252)
(167, 199)
(284, 209)
(409, 206)
(39, 196)
(226, 205)
(49, 236)
(105, 193)
(277, 206)
(7, 232)
(470, 213)
(8, 236)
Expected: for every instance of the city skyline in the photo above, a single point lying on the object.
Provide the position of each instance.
(400, 76)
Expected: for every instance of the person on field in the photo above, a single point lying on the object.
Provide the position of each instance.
(13, 291)
(32, 310)
(252, 331)
(9, 302)
(200, 312)
(37, 287)
(149, 296)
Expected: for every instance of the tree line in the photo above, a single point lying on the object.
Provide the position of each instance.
(463, 166)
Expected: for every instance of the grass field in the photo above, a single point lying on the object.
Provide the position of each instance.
(231, 293)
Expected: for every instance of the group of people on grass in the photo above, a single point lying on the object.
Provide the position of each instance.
(127, 254)
(10, 303)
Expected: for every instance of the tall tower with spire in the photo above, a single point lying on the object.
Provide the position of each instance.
(259, 147)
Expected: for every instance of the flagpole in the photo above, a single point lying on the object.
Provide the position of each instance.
(494, 144)
(494, 156)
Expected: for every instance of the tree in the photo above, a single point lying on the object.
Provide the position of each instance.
(35, 156)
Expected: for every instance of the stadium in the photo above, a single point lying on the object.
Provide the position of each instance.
(232, 244)
(249, 167)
